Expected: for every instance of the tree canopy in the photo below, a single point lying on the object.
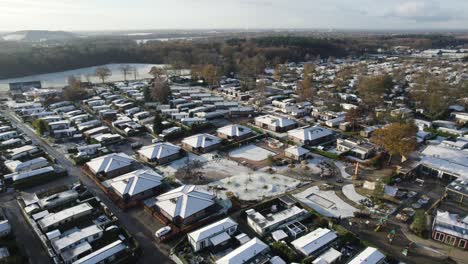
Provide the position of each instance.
(397, 138)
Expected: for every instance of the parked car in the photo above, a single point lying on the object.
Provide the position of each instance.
(162, 231)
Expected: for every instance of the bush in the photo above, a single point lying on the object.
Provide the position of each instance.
(419, 223)
(285, 252)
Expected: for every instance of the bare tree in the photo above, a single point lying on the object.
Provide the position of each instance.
(103, 73)
(125, 69)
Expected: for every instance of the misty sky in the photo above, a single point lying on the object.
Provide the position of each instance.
(195, 14)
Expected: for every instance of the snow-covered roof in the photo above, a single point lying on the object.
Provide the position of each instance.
(369, 256)
(76, 236)
(213, 229)
(310, 133)
(450, 224)
(297, 151)
(275, 121)
(315, 240)
(201, 140)
(244, 253)
(102, 253)
(110, 162)
(184, 201)
(159, 150)
(329, 256)
(16, 165)
(135, 182)
(446, 159)
(234, 130)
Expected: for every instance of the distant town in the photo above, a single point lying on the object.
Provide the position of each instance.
(242, 158)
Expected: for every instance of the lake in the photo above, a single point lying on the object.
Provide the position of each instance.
(59, 79)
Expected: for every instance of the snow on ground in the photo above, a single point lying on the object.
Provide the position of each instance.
(172, 167)
(342, 167)
(351, 194)
(326, 203)
(251, 152)
(235, 177)
(255, 185)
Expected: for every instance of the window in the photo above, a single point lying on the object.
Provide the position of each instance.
(439, 236)
(462, 243)
(450, 240)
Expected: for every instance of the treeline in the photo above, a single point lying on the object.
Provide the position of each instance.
(18, 59)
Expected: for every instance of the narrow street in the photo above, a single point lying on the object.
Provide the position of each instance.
(133, 220)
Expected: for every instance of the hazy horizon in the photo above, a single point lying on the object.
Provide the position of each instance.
(140, 15)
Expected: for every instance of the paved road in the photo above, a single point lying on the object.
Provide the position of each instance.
(135, 221)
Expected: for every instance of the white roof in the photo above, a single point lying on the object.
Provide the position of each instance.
(54, 218)
(159, 150)
(329, 256)
(310, 133)
(369, 256)
(135, 182)
(446, 159)
(103, 253)
(16, 165)
(234, 130)
(297, 151)
(16, 176)
(184, 201)
(213, 229)
(220, 238)
(314, 240)
(244, 253)
(201, 140)
(450, 224)
(279, 235)
(110, 162)
(22, 149)
(277, 260)
(75, 236)
(276, 121)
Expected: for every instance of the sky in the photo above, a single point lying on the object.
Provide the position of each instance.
(94, 15)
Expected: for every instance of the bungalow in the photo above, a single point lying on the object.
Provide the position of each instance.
(53, 220)
(21, 152)
(274, 123)
(18, 166)
(250, 252)
(212, 235)
(450, 229)
(235, 132)
(315, 241)
(263, 224)
(311, 136)
(185, 205)
(8, 135)
(73, 237)
(111, 165)
(61, 124)
(202, 143)
(160, 153)
(135, 185)
(355, 148)
(296, 153)
(106, 254)
(370, 255)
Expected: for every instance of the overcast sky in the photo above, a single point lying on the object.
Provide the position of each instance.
(196, 14)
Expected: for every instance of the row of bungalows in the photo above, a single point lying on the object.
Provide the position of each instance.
(10, 137)
(275, 123)
(73, 227)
